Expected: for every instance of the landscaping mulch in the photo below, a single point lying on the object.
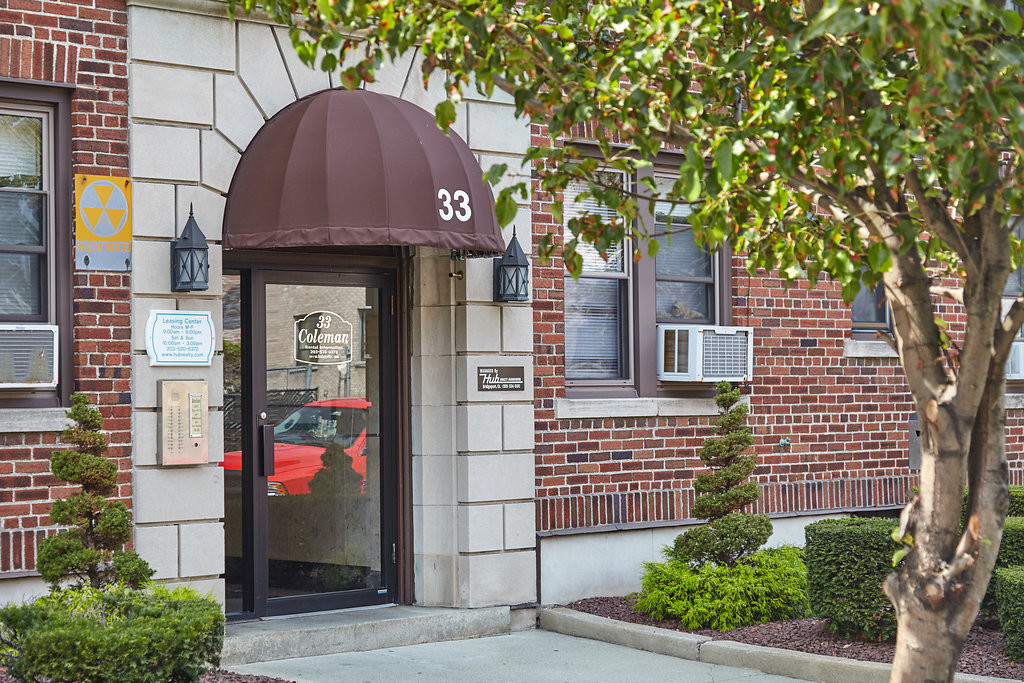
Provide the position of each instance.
(983, 654)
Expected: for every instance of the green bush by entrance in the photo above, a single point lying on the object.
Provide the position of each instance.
(112, 634)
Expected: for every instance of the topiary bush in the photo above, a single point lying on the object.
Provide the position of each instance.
(729, 536)
(723, 541)
(1009, 589)
(770, 585)
(847, 562)
(112, 634)
(91, 551)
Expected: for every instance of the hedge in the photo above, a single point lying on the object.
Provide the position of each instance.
(847, 562)
(1009, 587)
(111, 634)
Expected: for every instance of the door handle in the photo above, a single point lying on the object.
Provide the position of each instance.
(267, 450)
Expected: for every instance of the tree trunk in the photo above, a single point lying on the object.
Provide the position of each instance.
(939, 589)
(927, 649)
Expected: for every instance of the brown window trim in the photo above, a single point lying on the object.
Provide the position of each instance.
(57, 97)
(640, 337)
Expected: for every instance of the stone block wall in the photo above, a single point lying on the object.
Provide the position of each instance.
(202, 86)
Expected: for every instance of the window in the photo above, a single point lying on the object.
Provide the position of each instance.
(870, 311)
(35, 253)
(684, 291)
(1014, 286)
(613, 309)
(595, 305)
(25, 201)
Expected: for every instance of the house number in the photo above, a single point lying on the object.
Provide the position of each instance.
(446, 211)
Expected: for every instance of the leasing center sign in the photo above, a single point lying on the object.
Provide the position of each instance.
(323, 338)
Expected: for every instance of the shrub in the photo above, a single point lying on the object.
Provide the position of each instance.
(770, 585)
(847, 562)
(1009, 586)
(91, 551)
(1016, 508)
(723, 541)
(114, 633)
(730, 535)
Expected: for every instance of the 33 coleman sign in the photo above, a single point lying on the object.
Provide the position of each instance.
(103, 223)
(323, 338)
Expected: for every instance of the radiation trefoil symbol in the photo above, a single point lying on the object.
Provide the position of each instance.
(103, 208)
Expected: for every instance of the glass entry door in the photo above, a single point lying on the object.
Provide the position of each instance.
(309, 465)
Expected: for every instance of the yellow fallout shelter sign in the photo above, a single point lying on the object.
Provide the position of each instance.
(103, 223)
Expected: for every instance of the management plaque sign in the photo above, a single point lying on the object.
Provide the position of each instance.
(501, 378)
(179, 337)
(323, 338)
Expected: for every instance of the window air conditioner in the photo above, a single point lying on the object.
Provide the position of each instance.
(28, 356)
(1015, 363)
(688, 353)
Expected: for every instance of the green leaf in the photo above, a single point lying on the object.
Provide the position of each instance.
(723, 160)
(690, 182)
(1012, 21)
(878, 257)
(505, 207)
(444, 113)
(493, 174)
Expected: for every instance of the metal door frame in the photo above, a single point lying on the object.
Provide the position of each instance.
(379, 272)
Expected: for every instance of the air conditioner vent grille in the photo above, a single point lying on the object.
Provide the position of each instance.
(697, 353)
(725, 355)
(27, 356)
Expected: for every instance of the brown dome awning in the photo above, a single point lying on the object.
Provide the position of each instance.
(351, 167)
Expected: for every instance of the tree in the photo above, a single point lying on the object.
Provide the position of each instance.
(729, 535)
(92, 550)
(876, 142)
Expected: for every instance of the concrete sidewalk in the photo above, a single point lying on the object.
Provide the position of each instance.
(534, 655)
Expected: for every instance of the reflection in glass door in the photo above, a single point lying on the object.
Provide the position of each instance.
(314, 457)
(323, 511)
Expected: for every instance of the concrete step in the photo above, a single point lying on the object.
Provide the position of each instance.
(356, 630)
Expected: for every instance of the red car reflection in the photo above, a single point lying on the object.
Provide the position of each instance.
(303, 436)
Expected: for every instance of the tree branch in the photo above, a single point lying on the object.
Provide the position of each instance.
(954, 293)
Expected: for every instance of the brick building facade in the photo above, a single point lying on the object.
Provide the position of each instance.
(67, 60)
(830, 413)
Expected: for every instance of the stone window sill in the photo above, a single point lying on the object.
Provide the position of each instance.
(569, 408)
(867, 348)
(14, 420)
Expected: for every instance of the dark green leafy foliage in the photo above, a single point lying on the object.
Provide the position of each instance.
(90, 552)
(730, 535)
(847, 562)
(722, 490)
(723, 541)
(770, 585)
(1016, 508)
(112, 634)
(1011, 554)
(1009, 589)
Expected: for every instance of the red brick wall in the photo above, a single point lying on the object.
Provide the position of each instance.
(83, 43)
(845, 418)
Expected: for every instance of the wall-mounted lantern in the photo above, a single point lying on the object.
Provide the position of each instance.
(190, 259)
(510, 273)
